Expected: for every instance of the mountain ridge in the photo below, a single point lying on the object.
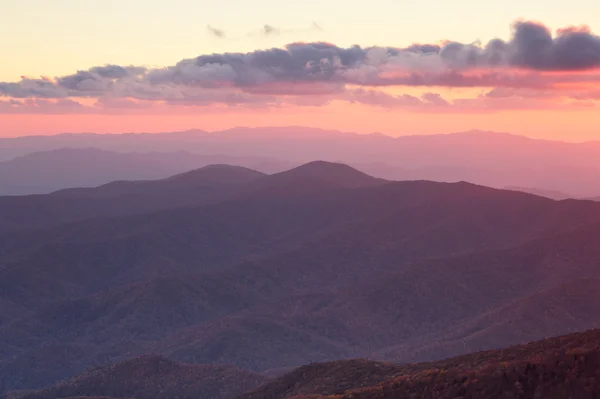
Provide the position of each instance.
(488, 158)
(266, 281)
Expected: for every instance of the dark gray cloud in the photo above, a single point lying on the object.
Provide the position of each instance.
(423, 48)
(298, 62)
(117, 71)
(520, 62)
(532, 47)
(85, 83)
(25, 88)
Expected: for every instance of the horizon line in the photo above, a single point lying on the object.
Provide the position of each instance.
(472, 131)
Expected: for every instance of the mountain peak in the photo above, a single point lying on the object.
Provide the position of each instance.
(334, 173)
(218, 173)
(313, 177)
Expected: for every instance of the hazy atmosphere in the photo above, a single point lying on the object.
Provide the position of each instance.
(393, 66)
(299, 200)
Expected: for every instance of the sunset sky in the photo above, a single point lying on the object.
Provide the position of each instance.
(392, 66)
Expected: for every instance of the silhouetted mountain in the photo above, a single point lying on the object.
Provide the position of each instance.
(203, 180)
(269, 278)
(44, 172)
(153, 377)
(488, 158)
(208, 184)
(340, 175)
(315, 176)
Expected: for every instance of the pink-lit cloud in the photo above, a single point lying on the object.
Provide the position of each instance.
(531, 67)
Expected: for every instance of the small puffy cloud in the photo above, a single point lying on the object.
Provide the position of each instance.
(216, 32)
(269, 30)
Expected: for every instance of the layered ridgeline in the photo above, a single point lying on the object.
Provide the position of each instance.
(205, 185)
(228, 266)
(562, 367)
(51, 170)
(43, 164)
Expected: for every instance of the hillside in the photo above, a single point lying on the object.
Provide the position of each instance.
(559, 367)
(562, 367)
(327, 378)
(152, 377)
(348, 266)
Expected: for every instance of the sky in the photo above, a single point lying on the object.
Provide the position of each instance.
(392, 66)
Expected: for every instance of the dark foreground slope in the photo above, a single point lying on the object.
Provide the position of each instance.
(153, 377)
(556, 368)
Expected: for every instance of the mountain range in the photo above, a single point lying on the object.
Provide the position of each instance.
(266, 272)
(36, 165)
(47, 171)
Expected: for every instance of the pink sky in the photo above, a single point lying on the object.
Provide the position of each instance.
(540, 83)
(576, 125)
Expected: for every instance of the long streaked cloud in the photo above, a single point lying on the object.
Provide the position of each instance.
(532, 64)
(428, 102)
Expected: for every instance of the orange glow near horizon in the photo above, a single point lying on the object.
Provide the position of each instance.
(342, 116)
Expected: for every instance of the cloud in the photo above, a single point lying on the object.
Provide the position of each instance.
(428, 102)
(121, 103)
(533, 64)
(434, 102)
(117, 72)
(532, 47)
(216, 32)
(26, 87)
(269, 30)
(42, 106)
